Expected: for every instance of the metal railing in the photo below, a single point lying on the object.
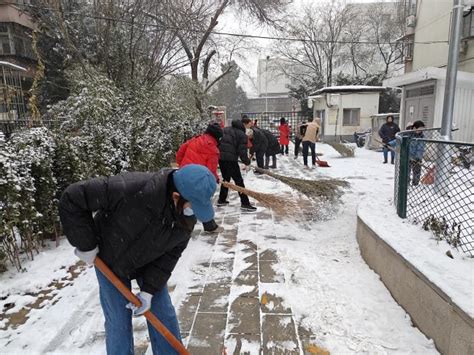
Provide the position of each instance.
(434, 185)
(271, 120)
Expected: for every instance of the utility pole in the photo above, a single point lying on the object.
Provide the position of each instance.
(452, 70)
(443, 160)
(266, 84)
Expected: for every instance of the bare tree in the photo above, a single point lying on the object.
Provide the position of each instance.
(319, 30)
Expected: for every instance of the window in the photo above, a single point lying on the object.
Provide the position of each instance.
(5, 45)
(408, 51)
(468, 24)
(411, 7)
(320, 114)
(351, 117)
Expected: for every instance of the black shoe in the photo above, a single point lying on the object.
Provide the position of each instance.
(248, 208)
(385, 162)
(222, 203)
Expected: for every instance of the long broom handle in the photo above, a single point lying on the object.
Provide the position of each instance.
(175, 343)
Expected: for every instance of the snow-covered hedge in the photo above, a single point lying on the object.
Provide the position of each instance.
(105, 131)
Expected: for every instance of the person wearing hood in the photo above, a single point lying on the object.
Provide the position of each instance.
(259, 144)
(272, 150)
(232, 147)
(387, 132)
(139, 224)
(203, 150)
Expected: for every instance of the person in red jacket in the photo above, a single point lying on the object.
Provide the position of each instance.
(284, 136)
(203, 150)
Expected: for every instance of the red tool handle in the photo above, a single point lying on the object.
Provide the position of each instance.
(175, 343)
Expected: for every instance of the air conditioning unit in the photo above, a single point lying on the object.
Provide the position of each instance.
(411, 21)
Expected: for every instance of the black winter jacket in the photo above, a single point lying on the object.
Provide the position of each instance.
(273, 144)
(259, 141)
(234, 143)
(135, 225)
(388, 131)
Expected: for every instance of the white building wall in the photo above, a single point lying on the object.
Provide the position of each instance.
(432, 24)
(367, 102)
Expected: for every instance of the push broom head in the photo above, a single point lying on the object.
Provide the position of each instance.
(280, 205)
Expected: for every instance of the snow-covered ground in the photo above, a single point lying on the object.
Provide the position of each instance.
(331, 291)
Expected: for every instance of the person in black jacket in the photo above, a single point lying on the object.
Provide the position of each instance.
(272, 150)
(233, 146)
(259, 144)
(138, 224)
(387, 132)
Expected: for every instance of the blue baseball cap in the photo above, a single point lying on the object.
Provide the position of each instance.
(197, 185)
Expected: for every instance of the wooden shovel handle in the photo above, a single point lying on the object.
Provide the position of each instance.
(175, 343)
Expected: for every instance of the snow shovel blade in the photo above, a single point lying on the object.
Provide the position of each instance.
(429, 177)
(322, 163)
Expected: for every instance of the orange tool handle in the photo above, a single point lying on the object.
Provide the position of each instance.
(175, 343)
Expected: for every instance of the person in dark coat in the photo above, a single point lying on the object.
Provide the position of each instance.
(259, 144)
(203, 150)
(272, 150)
(387, 132)
(232, 147)
(138, 224)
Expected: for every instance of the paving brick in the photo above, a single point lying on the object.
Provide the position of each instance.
(279, 336)
(271, 303)
(243, 344)
(186, 312)
(268, 274)
(215, 297)
(268, 255)
(244, 316)
(207, 337)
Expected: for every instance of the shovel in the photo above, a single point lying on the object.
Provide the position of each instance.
(322, 163)
(175, 343)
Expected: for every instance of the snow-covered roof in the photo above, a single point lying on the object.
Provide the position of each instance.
(12, 66)
(429, 73)
(386, 114)
(349, 88)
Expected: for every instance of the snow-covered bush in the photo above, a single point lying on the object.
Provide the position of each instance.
(35, 149)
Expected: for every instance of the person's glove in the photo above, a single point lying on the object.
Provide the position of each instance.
(145, 299)
(87, 256)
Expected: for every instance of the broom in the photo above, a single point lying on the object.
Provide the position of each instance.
(326, 188)
(278, 204)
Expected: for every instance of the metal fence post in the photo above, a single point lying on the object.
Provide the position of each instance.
(403, 177)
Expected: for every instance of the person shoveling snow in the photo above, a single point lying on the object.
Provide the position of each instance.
(142, 224)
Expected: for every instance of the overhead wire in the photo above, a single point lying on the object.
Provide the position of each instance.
(221, 33)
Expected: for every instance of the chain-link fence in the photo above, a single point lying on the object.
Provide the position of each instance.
(434, 185)
(271, 120)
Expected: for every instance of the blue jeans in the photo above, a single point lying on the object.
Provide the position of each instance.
(118, 319)
(392, 144)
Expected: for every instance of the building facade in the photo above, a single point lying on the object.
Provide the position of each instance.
(425, 56)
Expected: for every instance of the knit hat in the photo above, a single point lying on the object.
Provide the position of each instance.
(197, 185)
(215, 130)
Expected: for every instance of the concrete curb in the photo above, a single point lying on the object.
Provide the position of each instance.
(431, 310)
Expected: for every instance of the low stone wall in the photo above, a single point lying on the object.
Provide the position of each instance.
(431, 310)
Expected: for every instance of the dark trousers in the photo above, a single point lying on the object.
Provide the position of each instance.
(415, 167)
(306, 146)
(267, 160)
(260, 159)
(284, 149)
(297, 146)
(231, 170)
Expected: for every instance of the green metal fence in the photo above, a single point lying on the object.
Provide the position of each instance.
(434, 185)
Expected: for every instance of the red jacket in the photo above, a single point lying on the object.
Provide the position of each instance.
(284, 134)
(201, 150)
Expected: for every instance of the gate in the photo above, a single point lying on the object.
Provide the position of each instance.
(271, 120)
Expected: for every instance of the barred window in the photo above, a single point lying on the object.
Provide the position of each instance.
(351, 117)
